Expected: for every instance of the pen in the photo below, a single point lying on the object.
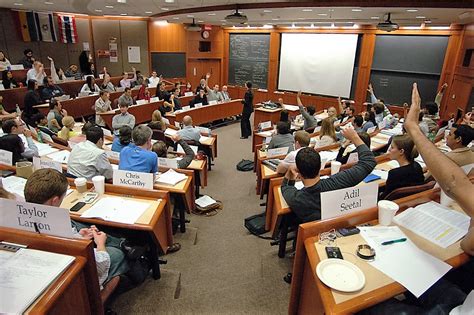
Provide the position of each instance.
(400, 240)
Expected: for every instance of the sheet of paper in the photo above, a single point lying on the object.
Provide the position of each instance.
(205, 201)
(14, 184)
(117, 209)
(265, 133)
(291, 108)
(204, 139)
(26, 275)
(60, 156)
(170, 177)
(328, 155)
(435, 223)
(170, 132)
(181, 150)
(405, 263)
(383, 174)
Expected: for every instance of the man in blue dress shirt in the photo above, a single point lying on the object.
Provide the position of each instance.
(137, 157)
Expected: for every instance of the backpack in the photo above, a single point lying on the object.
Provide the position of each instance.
(256, 225)
(245, 166)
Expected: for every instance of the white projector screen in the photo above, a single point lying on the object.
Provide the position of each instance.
(317, 63)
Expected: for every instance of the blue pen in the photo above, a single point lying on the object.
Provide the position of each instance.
(400, 240)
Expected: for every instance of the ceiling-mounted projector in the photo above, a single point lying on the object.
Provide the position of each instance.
(387, 25)
(193, 27)
(236, 18)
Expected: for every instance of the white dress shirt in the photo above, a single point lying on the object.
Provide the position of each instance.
(87, 160)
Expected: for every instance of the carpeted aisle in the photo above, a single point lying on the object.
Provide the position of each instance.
(221, 268)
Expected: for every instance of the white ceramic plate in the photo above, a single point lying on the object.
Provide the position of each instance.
(340, 275)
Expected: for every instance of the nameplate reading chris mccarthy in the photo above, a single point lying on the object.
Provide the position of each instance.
(133, 179)
(343, 201)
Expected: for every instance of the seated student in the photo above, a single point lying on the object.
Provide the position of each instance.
(430, 117)
(8, 80)
(41, 123)
(107, 85)
(189, 133)
(137, 156)
(161, 92)
(161, 150)
(32, 98)
(200, 98)
(201, 86)
(285, 116)
(126, 82)
(347, 115)
(13, 143)
(122, 119)
(17, 127)
(305, 204)
(73, 72)
(154, 79)
(28, 60)
(126, 97)
(157, 121)
(36, 73)
(4, 62)
(358, 122)
(67, 131)
(55, 115)
(173, 103)
(50, 90)
(347, 147)
(48, 187)
(423, 124)
(90, 86)
(225, 94)
(4, 115)
(283, 137)
(302, 140)
(308, 115)
(102, 105)
(123, 139)
(458, 139)
(410, 172)
(369, 120)
(88, 159)
(332, 114)
(327, 134)
(143, 92)
(82, 136)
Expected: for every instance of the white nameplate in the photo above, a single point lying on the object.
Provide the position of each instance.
(167, 163)
(17, 67)
(133, 179)
(353, 158)
(112, 154)
(186, 108)
(343, 201)
(188, 94)
(371, 129)
(141, 102)
(24, 216)
(197, 105)
(107, 132)
(212, 102)
(265, 124)
(154, 99)
(39, 163)
(6, 157)
(276, 152)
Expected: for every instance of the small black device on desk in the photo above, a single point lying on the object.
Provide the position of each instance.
(334, 252)
(78, 206)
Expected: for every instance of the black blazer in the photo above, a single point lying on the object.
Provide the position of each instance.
(248, 102)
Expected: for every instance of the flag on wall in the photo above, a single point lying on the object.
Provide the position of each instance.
(67, 29)
(45, 24)
(27, 25)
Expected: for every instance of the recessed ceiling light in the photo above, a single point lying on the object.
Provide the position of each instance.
(301, 18)
(421, 17)
(275, 19)
(165, 9)
(307, 10)
(374, 17)
(148, 12)
(109, 6)
(211, 14)
(176, 18)
(427, 21)
(123, 14)
(267, 11)
(169, 1)
(322, 14)
(412, 10)
(48, 3)
(356, 10)
(200, 21)
(18, 4)
(98, 10)
(190, 16)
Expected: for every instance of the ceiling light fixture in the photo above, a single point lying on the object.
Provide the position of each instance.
(267, 11)
(98, 10)
(211, 14)
(165, 9)
(307, 10)
(412, 10)
(356, 10)
(322, 14)
(200, 21)
(169, 1)
(123, 14)
(421, 17)
(176, 18)
(374, 17)
(160, 22)
(18, 4)
(275, 19)
(109, 6)
(48, 3)
(190, 16)
(148, 12)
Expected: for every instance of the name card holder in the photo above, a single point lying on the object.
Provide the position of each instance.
(6, 157)
(39, 163)
(276, 152)
(133, 179)
(167, 163)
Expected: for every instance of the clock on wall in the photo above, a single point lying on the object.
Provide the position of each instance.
(205, 34)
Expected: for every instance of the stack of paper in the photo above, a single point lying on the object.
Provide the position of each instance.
(14, 184)
(60, 156)
(25, 275)
(45, 149)
(204, 139)
(405, 263)
(117, 209)
(170, 132)
(435, 223)
(170, 177)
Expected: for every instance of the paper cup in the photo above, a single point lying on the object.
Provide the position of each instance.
(444, 200)
(99, 184)
(387, 210)
(335, 166)
(24, 169)
(81, 184)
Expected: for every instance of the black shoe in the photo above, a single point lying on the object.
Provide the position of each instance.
(288, 277)
(132, 251)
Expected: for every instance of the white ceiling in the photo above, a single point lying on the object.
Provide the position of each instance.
(274, 16)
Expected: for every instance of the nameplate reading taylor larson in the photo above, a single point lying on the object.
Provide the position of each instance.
(343, 201)
(133, 179)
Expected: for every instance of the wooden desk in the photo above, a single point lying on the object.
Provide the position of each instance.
(208, 113)
(74, 292)
(154, 224)
(262, 114)
(309, 295)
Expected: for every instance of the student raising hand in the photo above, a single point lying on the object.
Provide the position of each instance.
(350, 134)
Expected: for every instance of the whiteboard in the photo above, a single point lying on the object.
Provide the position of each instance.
(317, 63)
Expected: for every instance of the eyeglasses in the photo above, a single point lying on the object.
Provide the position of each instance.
(328, 238)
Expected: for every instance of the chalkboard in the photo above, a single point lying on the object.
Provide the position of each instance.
(248, 59)
(400, 60)
(170, 65)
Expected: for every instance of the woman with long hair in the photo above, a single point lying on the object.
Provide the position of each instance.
(327, 134)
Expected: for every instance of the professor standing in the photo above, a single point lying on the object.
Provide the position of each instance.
(245, 128)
